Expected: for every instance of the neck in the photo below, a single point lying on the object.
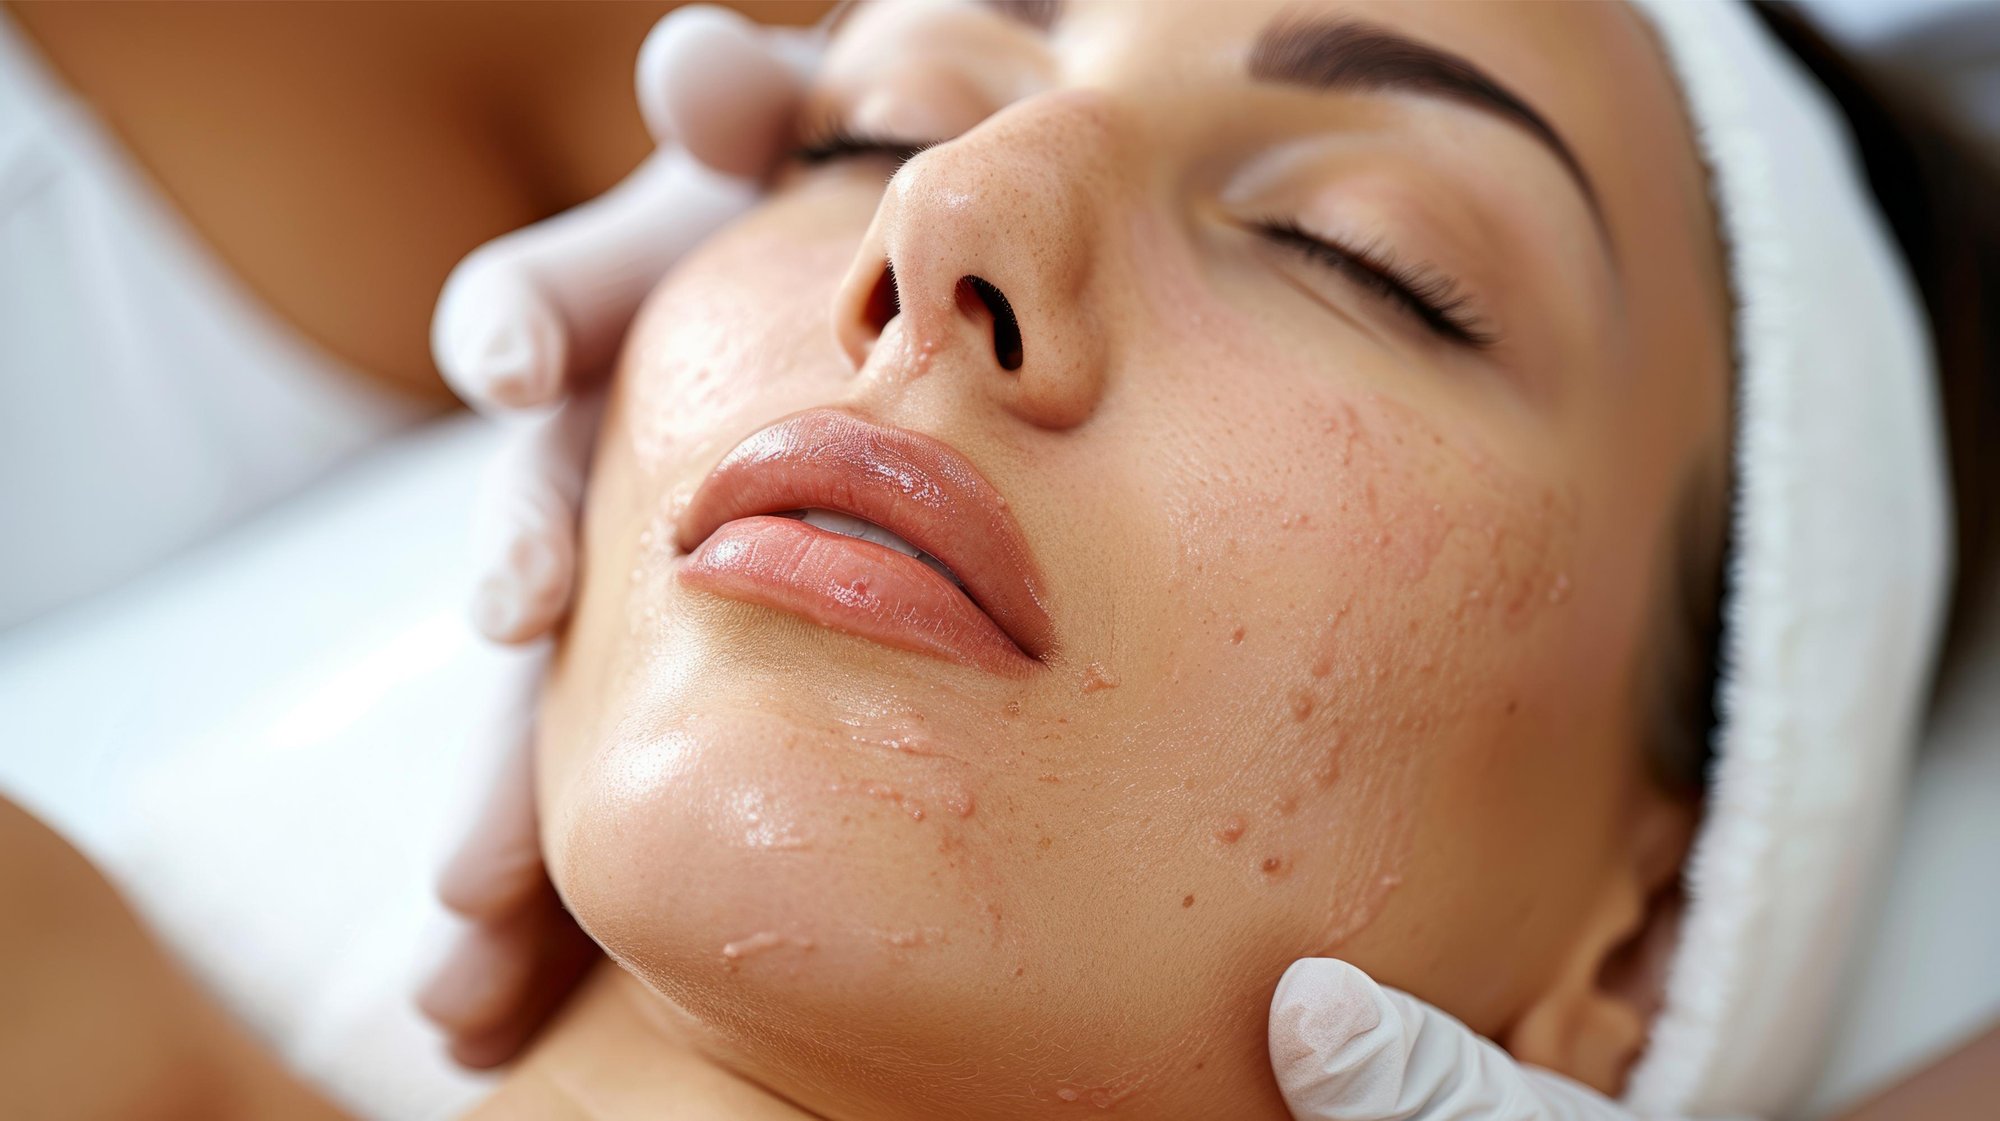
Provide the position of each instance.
(614, 1055)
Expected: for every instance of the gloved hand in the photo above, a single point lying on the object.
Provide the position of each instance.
(529, 323)
(1347, 1049)
(521, 953)
(531, 319)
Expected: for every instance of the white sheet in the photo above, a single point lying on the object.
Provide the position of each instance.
(269, 742)
(265, 743)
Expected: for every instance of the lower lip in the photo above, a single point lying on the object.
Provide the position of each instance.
(850, 585)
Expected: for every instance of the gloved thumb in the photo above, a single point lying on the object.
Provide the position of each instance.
(724, 87)
(1347, 1049)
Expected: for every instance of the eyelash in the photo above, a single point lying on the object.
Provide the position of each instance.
(835, 141)
(1432, 297)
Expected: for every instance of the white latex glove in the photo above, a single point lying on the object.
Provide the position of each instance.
(532, 319)
(1347, 1049)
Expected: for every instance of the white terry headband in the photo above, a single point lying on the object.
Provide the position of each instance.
(1837, 583)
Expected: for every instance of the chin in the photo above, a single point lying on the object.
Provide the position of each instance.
(805, 902)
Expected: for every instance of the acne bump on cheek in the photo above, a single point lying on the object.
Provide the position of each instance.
(764, 942)
(1330, 821)
(1407, 491)
(949, 799)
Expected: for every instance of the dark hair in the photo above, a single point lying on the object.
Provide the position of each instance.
(1939, 191)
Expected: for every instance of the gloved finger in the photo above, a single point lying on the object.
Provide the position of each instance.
(524, 522)
(525, 316)
(558, 971)
(520, 953)
(483, 975)
(1346, 1049)
(528, 315)
(497, 868)
(502, 980)
(723, 87)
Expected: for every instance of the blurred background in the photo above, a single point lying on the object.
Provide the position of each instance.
(234, 667)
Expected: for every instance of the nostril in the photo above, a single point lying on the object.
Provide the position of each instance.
(883, 302)
(1006, 329)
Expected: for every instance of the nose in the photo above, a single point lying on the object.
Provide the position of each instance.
(987, 253)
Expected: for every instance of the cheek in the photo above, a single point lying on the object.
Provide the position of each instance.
(1357, 585)
(739, 333)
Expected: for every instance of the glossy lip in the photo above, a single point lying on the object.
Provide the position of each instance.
(918, 488)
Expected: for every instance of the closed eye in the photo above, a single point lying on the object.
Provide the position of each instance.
(835, 141)
(1432, 297)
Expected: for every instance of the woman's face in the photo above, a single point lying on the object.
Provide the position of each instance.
(1319, 606)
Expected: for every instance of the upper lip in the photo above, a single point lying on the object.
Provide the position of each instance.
(910, 484)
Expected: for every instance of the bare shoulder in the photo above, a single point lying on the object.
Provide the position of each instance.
(100, 1023)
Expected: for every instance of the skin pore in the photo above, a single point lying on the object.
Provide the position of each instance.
(1353, 593)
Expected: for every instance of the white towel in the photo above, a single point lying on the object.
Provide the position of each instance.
(1838, 580)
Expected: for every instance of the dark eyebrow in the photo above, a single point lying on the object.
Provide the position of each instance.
(1038, 14)
(1352, 55)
